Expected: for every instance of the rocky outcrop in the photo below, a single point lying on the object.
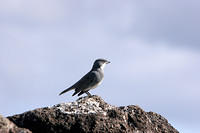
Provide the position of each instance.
(92, 114)
(6, 126)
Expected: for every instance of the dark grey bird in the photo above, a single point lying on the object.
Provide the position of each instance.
(91, 80)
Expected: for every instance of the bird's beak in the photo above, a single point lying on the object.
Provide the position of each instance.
(107, 62)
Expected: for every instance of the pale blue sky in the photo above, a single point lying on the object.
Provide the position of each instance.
(153, 47)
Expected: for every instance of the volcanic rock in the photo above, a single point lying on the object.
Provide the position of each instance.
(6, 126)
(92, 115)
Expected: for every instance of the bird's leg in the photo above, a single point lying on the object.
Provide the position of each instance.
(89, 95)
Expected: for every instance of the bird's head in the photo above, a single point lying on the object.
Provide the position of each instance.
(100, 63)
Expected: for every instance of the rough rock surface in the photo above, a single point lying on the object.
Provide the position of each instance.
(92, 114)
(6, 126)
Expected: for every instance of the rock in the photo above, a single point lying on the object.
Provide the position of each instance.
(6, 126)
(92, 114)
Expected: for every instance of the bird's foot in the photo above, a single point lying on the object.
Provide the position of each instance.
(89, 95)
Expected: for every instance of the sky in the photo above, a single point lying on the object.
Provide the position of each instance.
(153, 46)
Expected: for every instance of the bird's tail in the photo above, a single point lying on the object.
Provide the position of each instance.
(70, 88)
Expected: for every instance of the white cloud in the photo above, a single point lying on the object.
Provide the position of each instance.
(33, 11)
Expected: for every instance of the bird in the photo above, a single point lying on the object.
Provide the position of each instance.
(91, 80)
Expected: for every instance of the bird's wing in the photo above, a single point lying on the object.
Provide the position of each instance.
(86, 82)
